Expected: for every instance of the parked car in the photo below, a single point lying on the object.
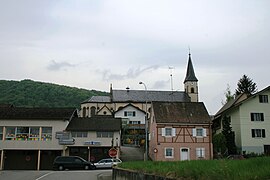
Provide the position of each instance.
(236, 156)
(71, 162)
(107, 163)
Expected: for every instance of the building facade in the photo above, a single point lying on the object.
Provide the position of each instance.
(27, 136)
(93, 137)
(250, 120)
(180, 131)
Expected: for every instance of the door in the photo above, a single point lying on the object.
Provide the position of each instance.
(267, 150)
(184, 154)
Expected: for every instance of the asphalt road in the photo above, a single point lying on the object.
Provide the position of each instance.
(56, 175)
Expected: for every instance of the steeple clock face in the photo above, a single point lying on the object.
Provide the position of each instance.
(192, 83)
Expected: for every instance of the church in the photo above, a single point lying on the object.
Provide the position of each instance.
(139, 110)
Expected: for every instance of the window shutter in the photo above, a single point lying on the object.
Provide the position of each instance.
(198, 152)
(262, 118)
(253, 132)
(203, 152)
(194, 131)
(173, 131)
(163, 131)
(252, 116)
(204, 132)
(263, 133)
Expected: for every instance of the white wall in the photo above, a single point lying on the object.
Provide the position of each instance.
(253, 105)
(140, 116)
(57, 125)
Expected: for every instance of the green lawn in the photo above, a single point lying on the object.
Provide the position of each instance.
(253, 168)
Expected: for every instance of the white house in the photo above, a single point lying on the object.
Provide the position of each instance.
(93, 137)
(28, 136)
(250, 120)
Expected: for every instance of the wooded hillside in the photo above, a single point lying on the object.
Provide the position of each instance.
(30, 93)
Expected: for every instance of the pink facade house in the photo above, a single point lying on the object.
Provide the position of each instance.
(179, 131)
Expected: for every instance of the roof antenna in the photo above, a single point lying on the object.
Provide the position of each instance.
(171, 75)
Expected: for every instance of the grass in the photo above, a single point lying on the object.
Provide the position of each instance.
(253, 168)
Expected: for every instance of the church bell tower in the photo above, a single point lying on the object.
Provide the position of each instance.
(191, 82)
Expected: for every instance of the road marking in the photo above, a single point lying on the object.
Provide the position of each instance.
(44, 175)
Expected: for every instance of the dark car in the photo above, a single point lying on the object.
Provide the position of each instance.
(71, 162)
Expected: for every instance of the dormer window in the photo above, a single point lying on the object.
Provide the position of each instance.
(129, 113)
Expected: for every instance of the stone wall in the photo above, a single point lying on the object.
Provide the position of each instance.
(123, 174)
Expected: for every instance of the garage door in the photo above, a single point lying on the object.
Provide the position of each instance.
(20, 160)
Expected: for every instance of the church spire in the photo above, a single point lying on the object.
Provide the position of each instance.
(190, 75)
(191, 82)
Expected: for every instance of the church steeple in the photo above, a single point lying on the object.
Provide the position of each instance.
(191, 82)
(190, 75)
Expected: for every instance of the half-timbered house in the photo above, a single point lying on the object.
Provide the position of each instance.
(179, 131)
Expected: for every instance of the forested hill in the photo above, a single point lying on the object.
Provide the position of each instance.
(28, 93)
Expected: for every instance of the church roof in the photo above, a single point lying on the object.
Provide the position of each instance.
(103, 99)
(190, 75)
(142, 96)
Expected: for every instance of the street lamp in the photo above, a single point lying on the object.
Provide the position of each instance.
(146, 124)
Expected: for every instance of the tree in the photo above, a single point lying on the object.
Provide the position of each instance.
(219, 144)
(228, 95)
(246, 85)
(229, 135)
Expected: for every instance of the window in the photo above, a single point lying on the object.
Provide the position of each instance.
(129, 113)
(1, 133)
(134, 122)
(34, 134)
(199, 132)
(79, 134)
(168, 152)
(84, 112)
(22, 133)
(258, 133)
(46, 134)
(200, 153)
(10, 133)
(27, 133)
(105, 134)
(257, 117)
(263, 98)
(192, 90)
(168, 131)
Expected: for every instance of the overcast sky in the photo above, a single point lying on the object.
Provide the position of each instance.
(91, 44)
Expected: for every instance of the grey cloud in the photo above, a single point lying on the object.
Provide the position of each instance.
(160, 84)
(131, 73)
(56, 66)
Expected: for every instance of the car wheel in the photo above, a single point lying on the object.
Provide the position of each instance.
(60, 168)
(93, 167)
(86, 167)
